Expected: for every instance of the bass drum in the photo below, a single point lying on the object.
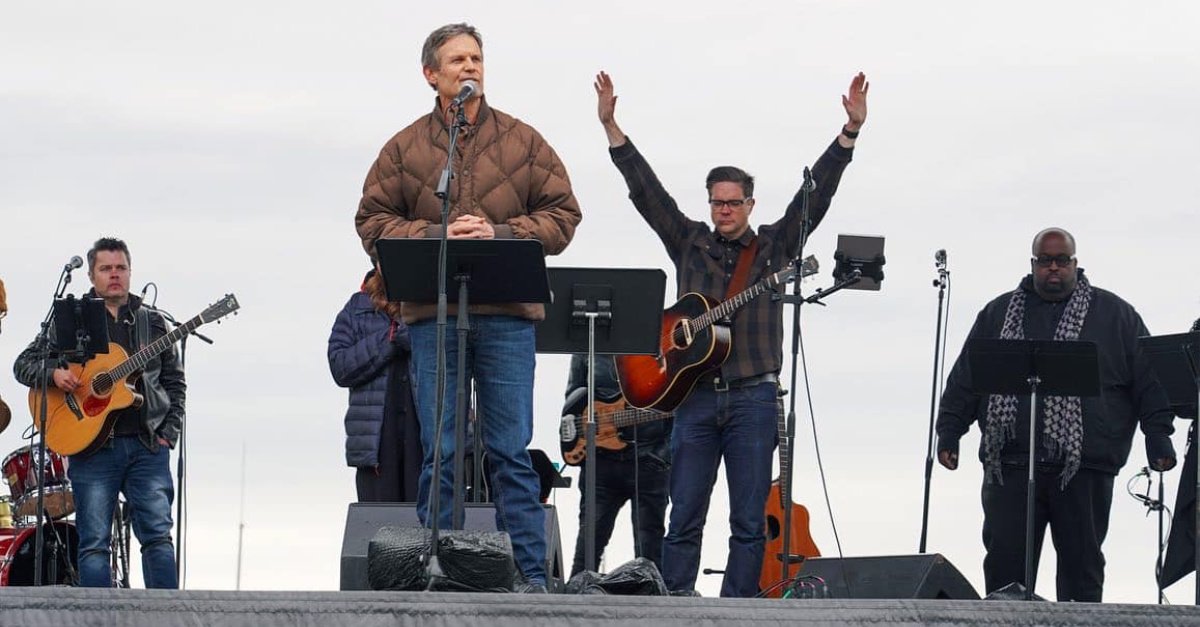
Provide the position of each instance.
(18, 549)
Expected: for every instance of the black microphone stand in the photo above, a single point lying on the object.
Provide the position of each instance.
(181, 460)
(941, 283)
(432, 567)
(45, 352)
(787, 455)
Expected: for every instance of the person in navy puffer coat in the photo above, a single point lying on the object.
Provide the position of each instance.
(369, 352)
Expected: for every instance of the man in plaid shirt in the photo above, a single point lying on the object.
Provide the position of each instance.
(732, 414)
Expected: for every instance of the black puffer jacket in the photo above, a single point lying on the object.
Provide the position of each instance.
(161, 382)
(1130, 393)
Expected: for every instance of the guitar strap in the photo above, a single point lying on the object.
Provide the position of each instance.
(142, 327)
(741, 272)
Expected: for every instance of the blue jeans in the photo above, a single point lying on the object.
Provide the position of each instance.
(124, 465)
(500, 359)
(741, 426)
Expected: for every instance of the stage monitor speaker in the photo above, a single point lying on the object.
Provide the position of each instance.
(925, 576)
(363, 520)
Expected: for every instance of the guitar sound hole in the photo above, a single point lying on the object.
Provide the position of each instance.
(678, 337)
(772, 527)
(102, 384)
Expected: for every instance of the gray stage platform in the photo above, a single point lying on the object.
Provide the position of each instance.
(66, 607)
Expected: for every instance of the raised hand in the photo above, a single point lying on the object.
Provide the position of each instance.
(606, 101)
(606, 109)
(855, 102)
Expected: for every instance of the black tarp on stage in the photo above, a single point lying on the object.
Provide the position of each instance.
(68, 607)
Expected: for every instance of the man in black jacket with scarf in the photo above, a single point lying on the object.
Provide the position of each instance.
(1082, 442)
(135, 461)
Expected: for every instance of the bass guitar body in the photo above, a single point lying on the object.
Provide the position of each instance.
(79, 422)
(685, 354)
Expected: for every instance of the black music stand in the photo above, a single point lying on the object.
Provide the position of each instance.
(1033, 367)
(498, 271)
(601, 311)
(1176, 361)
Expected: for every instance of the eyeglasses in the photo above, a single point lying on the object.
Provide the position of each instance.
(1045, 261)
(732, 204)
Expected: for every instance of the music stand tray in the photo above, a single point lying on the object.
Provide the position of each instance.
(1176, 361)
(1063, 368)
(500, 269)
(1033, 367)
(633, 297)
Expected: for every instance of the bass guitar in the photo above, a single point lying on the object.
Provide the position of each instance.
(80, 421)
(695, 340)
(775, 569)
(610, 416)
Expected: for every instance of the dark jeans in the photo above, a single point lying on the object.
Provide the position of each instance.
(739, 426)
(615, 485)
(124, 465)
(1078, 519)
(500, 359)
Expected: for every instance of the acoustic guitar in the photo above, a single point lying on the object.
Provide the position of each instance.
(695, 340)
(610, 416)
(80, 421)
(800, 540)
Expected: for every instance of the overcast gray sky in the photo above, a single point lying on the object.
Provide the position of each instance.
(227, 143)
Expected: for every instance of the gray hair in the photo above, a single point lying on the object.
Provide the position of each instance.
(435, 40)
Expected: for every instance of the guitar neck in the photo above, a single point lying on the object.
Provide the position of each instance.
(138, 360)
(726, 309)
(785, 455)
(628, 417)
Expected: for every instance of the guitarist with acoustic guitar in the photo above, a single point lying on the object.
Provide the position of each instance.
(135, 459)
(633, 461)
(730, 413)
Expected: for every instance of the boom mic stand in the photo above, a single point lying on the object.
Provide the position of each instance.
(46, 351)
(939, 336)
(787, 452)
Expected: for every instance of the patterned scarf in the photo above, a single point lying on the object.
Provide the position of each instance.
(1063, 425)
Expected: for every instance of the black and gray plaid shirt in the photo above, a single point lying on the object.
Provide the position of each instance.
(705, 261)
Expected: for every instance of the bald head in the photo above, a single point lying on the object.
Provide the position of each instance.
(1054, 230)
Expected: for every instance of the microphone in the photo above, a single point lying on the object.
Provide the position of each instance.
(75, 262)
(469, 89)
(940, 257)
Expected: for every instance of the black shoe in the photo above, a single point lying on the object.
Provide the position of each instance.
(532, 588)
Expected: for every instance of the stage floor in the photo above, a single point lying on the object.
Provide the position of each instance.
(67, 607)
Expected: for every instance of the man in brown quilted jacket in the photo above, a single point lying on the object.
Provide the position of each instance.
(508, 183)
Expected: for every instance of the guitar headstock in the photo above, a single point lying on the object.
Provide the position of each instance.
(808, 267)
(220, 309)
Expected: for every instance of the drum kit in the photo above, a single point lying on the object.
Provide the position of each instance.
(21, 470)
